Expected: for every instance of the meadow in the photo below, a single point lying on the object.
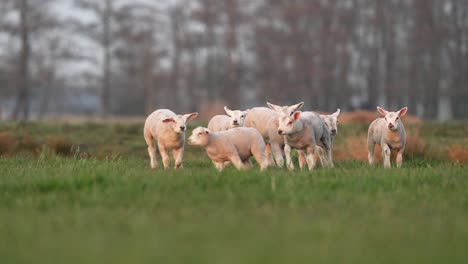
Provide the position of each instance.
(84, 193)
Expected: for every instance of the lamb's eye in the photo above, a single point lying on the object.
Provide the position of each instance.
(290, 123)
(397, 118)
(242, 116)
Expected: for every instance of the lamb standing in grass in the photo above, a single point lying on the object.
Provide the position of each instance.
(265, 120)
(331, 121)
(234, 118)
(169, 131)
(236, 145)
(388, 132)
(303, 131)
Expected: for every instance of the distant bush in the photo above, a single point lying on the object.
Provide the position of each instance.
(7, 143)
(60, 145)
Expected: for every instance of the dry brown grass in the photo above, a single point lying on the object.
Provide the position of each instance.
(355, 148)
(60, 146)
(26, 142)
(458, 153)
(366, 117)
(7, 143)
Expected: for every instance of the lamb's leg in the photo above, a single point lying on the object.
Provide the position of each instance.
(329, 156)
(259, 155)
(386, 152)
(276, 149)
(247, 164)
(178, 157)
(164, 155)
(302, 158)
(399, 158)
(151, 150)
(370, 151)
(311, 157)
(287, 153)
(219, 165)
(237, 162)
(271, 162)
(321, 155)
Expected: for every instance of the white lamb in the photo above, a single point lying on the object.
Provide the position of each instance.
(265, 120)
(236, 145)
(388, 132)
(331, 122)
(234, 118)
(303, 131)
(169, 131)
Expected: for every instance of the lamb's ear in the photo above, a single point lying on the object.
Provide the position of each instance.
(403, 111)
(337, 113)
(227, 110)
(191, 116)
(296, 107)
(273, 107)
(296, 115)
(245, 112)
(382, 111)
(168, 120)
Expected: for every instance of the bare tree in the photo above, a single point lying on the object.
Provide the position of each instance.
(22, 103)
(101, 33)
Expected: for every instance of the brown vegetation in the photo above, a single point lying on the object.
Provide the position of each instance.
(458, 153)
(366, 117)
(7, 143)
(60, 146)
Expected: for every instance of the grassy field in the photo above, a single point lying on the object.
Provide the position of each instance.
(104, 205)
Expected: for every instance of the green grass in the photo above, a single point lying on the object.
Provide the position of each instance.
(58, 210)
(111, 208)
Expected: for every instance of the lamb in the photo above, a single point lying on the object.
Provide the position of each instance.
(169, 131)
(236, 145)
(331, 122)
(265, 120)
(388, 132)
(303, 131)
(234, 118)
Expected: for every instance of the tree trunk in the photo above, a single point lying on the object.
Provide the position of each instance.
(22, 103)
(49, 83)
(105, 94)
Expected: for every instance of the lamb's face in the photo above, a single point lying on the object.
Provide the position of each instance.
(392, 118)
(288, 124)
(199, 137)
(332, 122)
(178, 123)
(237, 117)
(286, 110)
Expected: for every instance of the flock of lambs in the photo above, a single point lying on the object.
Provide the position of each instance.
(267, 134)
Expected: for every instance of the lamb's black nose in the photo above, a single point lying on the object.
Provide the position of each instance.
(235, 122)
(182, 127)
(390, 125)
(280, 132)
(333, 131)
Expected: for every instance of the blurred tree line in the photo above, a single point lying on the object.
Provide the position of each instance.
(129, 57)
